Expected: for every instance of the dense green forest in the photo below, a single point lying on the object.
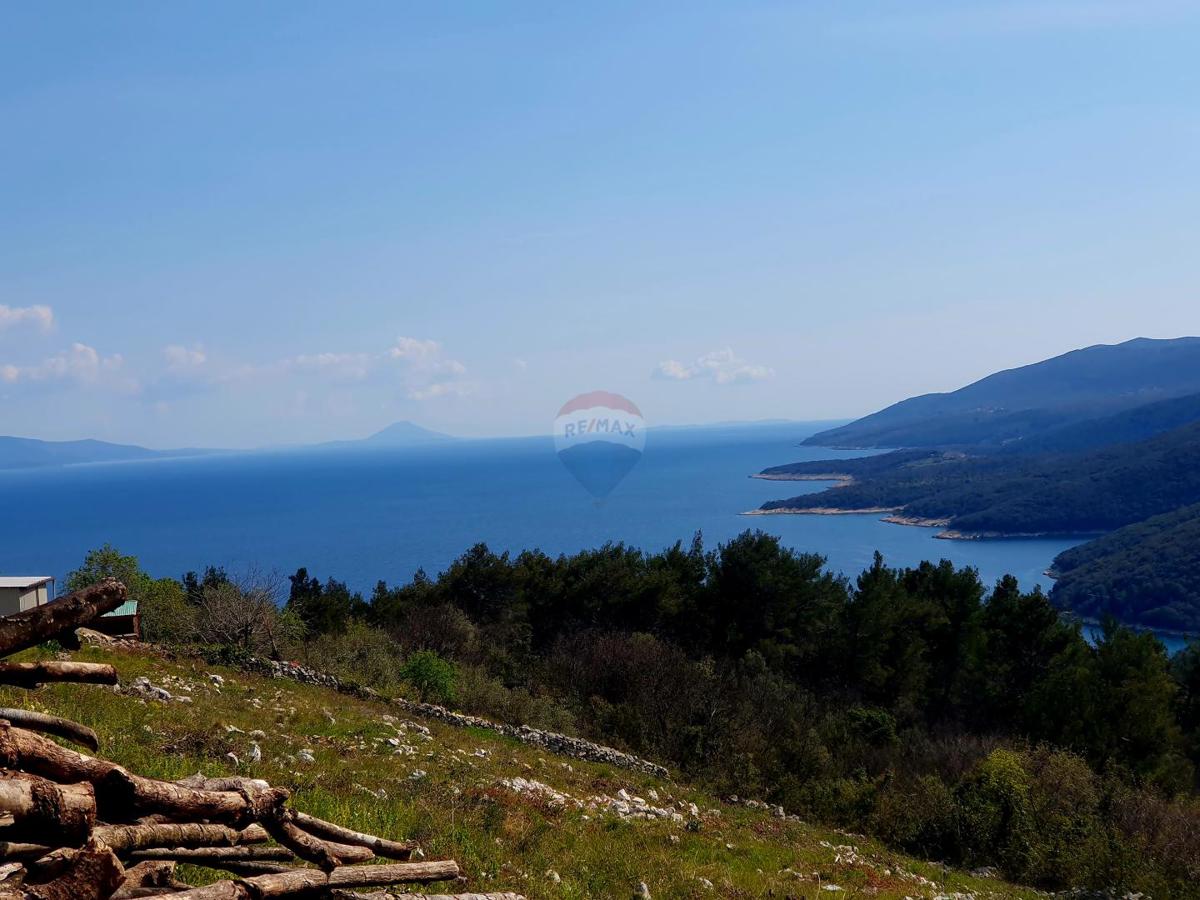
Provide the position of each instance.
(1145, 573)
(866, 466)
(1129, 426)
(957, 720)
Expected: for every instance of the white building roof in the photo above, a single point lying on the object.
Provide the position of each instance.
(21, 582)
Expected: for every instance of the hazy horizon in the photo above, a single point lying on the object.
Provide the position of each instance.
(451, 433)
(231, 226)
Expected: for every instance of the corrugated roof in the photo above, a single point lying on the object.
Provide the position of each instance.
(128, 608)
(23, 581)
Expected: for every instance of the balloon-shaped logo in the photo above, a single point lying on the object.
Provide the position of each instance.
(599, 438)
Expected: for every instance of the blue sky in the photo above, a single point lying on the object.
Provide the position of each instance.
(236, 224)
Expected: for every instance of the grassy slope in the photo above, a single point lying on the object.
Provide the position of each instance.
(458, 810)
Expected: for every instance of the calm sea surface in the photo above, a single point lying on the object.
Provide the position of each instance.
(361, 516)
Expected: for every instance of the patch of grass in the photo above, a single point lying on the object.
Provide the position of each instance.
(457, 808)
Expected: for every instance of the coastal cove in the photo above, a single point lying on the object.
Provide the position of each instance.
(362, 516)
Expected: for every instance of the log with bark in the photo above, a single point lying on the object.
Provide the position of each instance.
(42, 623)
(40, 811)
(174, 834)
(35, 674)
(63, 728)
(380, 846)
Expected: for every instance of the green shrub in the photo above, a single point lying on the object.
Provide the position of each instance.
(167, 617)
(357, 653)
(875, 726)
(919, 815)
(1064, 797)
(995, 817)
(480, 694)
(845, 802)
(430, 676)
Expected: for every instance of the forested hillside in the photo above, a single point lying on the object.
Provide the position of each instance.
(1076, 493)
(1084, 384)
(1129, 426)
(1145, 573)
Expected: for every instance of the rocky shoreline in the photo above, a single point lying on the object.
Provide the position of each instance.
(954, 535)
(842, 480)
(820, 511)
(916, 521)
(893, 515)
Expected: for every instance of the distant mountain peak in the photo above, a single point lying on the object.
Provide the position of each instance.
(406, 432)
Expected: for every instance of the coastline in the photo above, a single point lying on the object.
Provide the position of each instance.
(916, 521)
(819, 511)
(893, 516)
(952, 535)
(1093, 622)
(841, 480)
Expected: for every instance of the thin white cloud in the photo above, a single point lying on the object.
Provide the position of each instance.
(38, 316)
(441, 389)
(428, 373)
(419, 367)
(183, 359)
(721, 366)
(415, 349)
(341, 366)
(80, 364)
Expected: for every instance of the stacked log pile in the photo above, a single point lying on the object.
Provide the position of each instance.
(78, 827)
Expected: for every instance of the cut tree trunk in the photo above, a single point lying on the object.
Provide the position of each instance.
(94, 873)
(150, 874)
(326, 855)
(33, 674)
(34, 626)
(40, 811)
(203, 855)
(120, 795)
(63, 728)
(123, 838)
(199, 782)
(23, 851)
(305, 882)
(380, 846)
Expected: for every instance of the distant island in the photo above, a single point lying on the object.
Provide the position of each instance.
(398, 434)
(30, 453)
(1100, 441)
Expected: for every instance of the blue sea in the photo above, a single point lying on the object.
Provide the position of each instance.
(361, 516)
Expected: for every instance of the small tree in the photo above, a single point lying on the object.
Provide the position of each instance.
(108, 562)
(242, 614)
(162, 603)
(324, 609)
(431, 676)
